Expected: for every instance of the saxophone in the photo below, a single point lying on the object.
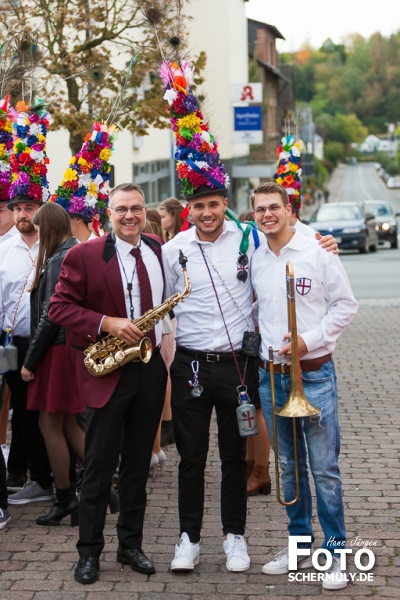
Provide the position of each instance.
(110, 353)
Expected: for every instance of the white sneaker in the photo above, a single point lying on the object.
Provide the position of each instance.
(187, 555)
(334, 577)
(4, 517)
(235, 549)
(280, 564)
(6, 451)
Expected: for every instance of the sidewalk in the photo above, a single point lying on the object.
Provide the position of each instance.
(336, 183)
(36, 563)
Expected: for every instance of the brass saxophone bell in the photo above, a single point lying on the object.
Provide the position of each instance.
(110, 353)
(142, 351)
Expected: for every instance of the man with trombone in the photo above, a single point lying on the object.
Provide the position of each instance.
(291, 360)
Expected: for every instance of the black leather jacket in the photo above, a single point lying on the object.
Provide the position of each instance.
(45, 333)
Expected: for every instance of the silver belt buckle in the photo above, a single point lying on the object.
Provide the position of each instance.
(211, 357)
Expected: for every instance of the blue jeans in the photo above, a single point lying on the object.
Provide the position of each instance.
(320, 437)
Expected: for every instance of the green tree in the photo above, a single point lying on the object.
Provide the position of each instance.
(360, 77)
(104, 35)
(335, 152)
(346, 129)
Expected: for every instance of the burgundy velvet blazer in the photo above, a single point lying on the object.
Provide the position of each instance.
(89, 287)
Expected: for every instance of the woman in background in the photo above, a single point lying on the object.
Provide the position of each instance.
(171, 220)
(258, 447)
(52, 387)
(158, 457)
(153, 217)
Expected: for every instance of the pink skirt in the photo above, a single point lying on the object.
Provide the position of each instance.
(54, 388)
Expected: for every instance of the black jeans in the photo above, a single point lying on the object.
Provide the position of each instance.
(27, 443)
(191, 420)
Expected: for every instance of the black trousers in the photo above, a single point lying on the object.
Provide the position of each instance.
(191, 421)
(27, 445)
(126, 425)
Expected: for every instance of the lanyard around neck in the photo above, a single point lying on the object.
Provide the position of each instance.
(129, 284)
(241, 377)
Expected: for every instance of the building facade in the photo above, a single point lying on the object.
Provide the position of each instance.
(148, 160)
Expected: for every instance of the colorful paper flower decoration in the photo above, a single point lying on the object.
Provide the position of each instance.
(84, 189)
(288, 173)
(199, 168)
(29, 161)
(6, 146)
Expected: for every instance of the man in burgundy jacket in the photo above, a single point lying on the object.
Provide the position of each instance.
(100, 290)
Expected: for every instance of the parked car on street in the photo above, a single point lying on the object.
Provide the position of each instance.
(351, 223)
(382, 174)
(393, 182)
(385, 218)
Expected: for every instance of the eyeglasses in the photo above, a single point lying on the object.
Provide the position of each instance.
(273, 208)
(122, 211)
(242, 267)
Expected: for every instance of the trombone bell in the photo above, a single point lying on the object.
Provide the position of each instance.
(297, 405)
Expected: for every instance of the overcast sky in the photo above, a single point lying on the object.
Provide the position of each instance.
(314, 21)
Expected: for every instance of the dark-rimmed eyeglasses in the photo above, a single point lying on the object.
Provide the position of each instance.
(122, 211)
(242, 267)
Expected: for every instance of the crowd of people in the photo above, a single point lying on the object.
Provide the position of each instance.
(71, 295)
(56, 303)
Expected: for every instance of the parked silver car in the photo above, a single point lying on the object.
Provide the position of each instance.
(386, 224)
(351, 223)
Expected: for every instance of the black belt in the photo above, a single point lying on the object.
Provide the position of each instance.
(210, 356)
(312, 364)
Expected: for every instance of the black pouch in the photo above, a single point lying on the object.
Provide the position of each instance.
(251, 344)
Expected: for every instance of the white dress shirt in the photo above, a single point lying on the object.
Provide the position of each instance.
(325, 304)
(8, 234)
(200, 325)
(128, 262)
(304, 229)
(17, 269)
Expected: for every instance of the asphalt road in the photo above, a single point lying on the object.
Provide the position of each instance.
(361, 182)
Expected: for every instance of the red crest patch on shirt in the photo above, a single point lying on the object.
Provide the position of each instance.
(303, 285)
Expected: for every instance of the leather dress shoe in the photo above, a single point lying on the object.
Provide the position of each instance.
(87, 569)
(136, 558)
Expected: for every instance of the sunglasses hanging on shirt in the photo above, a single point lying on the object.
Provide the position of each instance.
(242, 267)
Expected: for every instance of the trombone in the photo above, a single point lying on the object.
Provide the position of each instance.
(297, 404)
